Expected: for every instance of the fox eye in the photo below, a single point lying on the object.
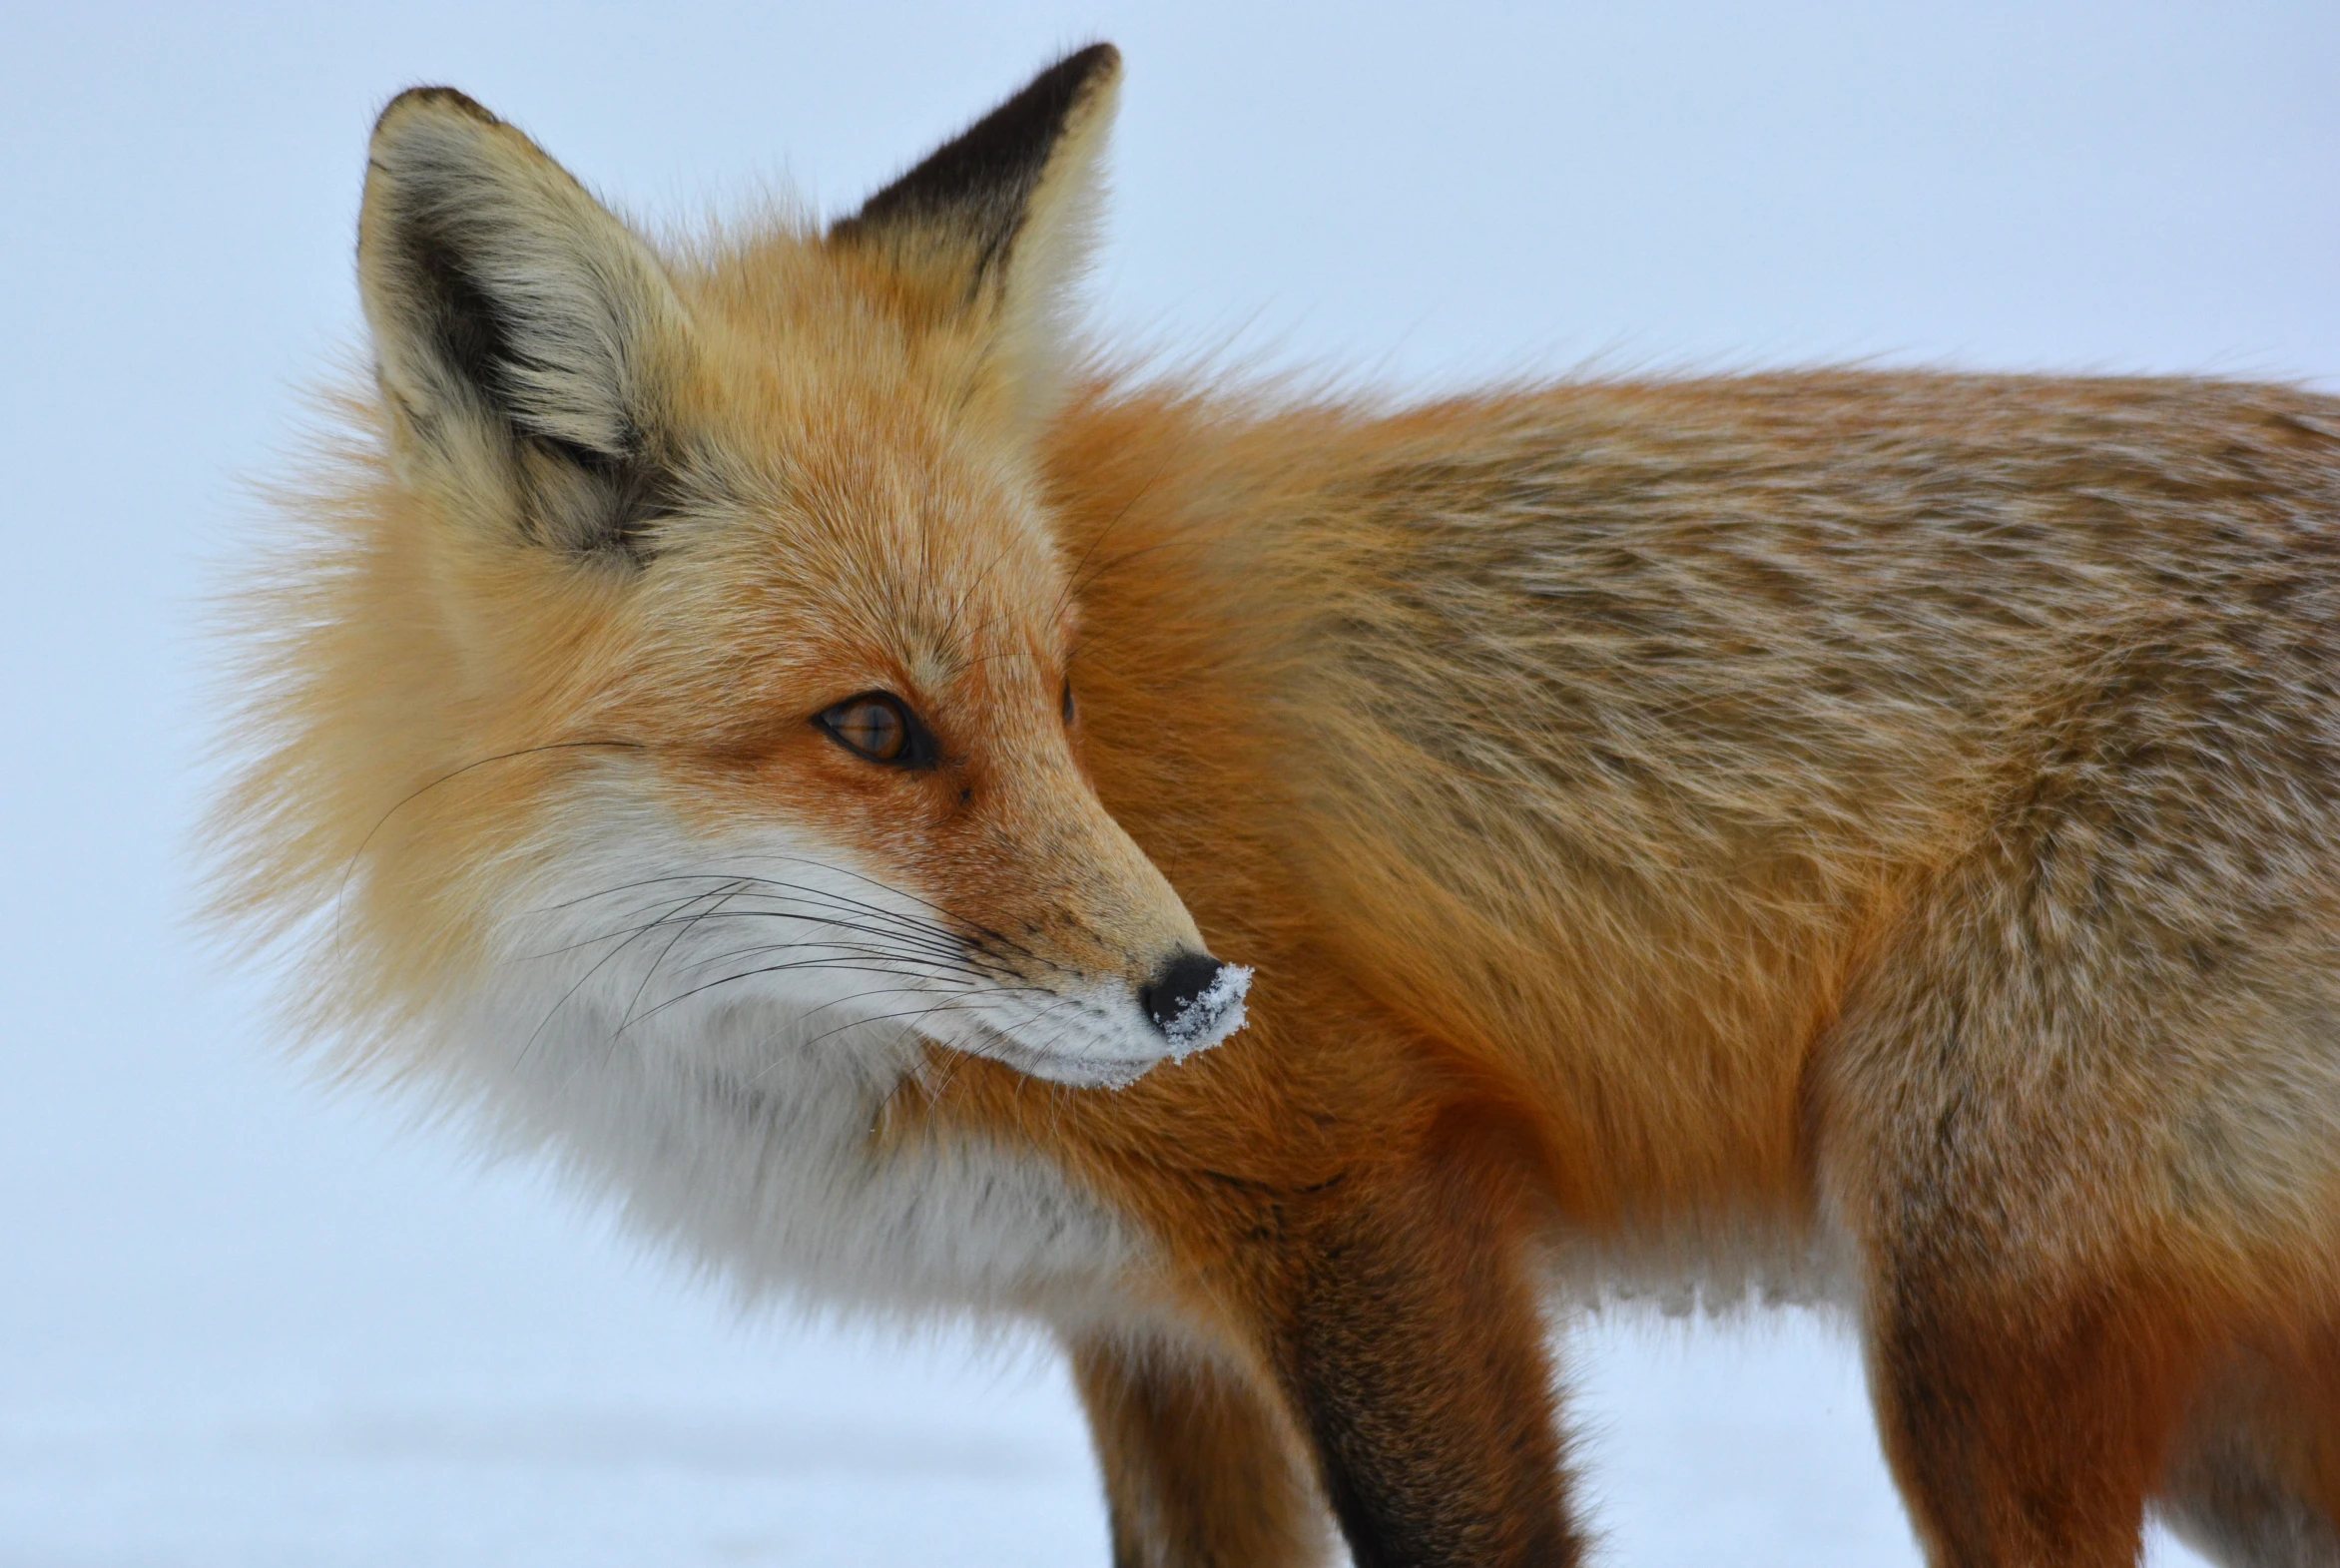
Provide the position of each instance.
(877, 726)
(1068, 708)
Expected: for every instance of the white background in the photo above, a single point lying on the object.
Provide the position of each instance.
(245, 1321)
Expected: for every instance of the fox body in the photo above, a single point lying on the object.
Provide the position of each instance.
(772, 723)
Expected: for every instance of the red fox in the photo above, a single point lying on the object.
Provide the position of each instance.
(1280, 892)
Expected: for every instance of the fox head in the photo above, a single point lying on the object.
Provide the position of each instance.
(689, 644)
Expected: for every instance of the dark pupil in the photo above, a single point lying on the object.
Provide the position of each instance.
(1068, 702)
(873, 729)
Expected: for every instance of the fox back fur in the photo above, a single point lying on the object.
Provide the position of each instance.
(775, 723)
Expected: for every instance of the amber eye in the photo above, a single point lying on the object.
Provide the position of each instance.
(877, 726)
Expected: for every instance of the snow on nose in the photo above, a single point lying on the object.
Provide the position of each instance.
(1196, 1002)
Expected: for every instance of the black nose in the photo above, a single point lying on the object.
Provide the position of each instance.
(1171, 992)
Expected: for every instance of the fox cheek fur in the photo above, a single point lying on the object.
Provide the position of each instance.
(737, 714)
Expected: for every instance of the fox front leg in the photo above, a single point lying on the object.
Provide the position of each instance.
(1201, 1468)
(1412, 1355)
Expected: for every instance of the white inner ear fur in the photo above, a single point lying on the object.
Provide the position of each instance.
(583, 303)
(1063, 219)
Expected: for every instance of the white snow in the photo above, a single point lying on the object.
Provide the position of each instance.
(1211, 1016)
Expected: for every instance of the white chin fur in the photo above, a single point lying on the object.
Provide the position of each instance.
(1077, 1072)
(1214, 1015)
(1094, 1037)
(709, 1035)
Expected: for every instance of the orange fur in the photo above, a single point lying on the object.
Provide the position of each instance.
(1870, 833)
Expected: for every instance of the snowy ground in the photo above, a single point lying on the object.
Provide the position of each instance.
(270, 1331)
(244, 1325)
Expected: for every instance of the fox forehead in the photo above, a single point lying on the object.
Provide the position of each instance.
(854, 557)
(855, 508)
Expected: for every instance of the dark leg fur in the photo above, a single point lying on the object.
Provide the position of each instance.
(1413, 1356)
(2256, 1481)
(2025, 1437)
(1200, 1471)
(2227, 1503)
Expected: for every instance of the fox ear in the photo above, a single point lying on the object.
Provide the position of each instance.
(1002, 219)
(523, 334)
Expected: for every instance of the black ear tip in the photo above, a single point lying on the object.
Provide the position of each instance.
(429, 99)
(1099, 59)
(1073, 80)
(981, 179)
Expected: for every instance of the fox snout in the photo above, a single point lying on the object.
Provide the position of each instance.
(1101, 1033)
(1105, 976)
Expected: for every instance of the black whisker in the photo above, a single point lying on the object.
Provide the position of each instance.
(799, 966)
(948, 914)
(554, 1011)
(342, 894)
(873, 952)
(682, 929)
